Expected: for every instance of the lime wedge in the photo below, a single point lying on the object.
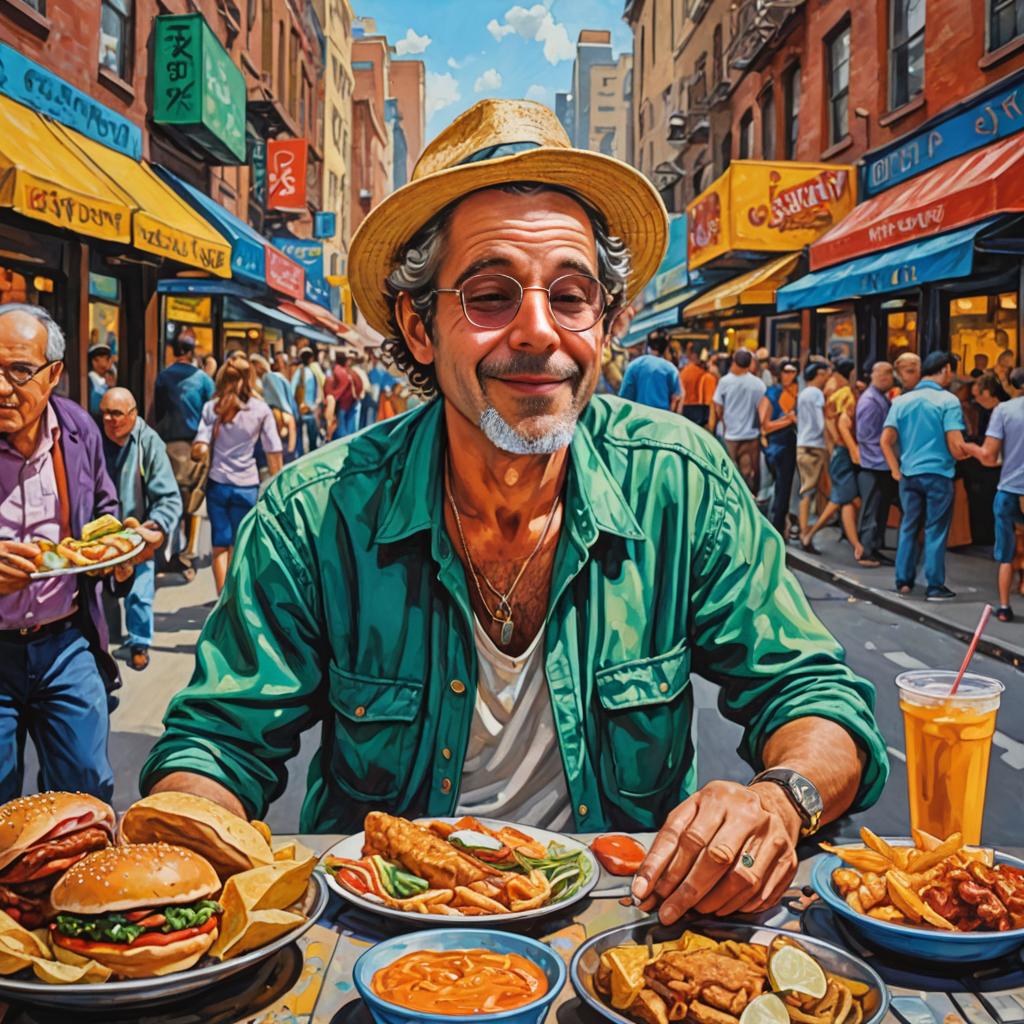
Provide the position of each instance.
(792, 970)
(766, 1009)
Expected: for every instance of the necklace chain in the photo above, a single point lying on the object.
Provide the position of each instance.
(503, 610)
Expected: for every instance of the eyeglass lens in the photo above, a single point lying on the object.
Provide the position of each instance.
(19, 373)
(492, 301)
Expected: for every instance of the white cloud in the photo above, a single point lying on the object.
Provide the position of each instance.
(536, 24)
(412, 43)
(538, 93)
(488, 81)
(455, 64)
(442, 91)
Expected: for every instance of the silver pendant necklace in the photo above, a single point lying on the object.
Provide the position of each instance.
(503, 610)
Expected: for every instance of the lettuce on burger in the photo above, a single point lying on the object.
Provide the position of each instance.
(141, 910)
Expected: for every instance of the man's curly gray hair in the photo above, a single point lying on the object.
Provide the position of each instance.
(420, 260)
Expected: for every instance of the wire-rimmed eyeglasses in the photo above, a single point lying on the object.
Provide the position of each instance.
(19, 374)
(491, 301)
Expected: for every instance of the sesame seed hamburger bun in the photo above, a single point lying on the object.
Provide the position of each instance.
(228, 842)
(45, 816)
(141, 910)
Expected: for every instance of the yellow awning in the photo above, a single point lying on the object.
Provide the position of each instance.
(44, 178)
(755, 288)
(162, 222)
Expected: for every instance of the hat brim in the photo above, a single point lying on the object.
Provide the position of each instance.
(629, 202)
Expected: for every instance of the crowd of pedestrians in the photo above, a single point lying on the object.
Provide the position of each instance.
(854, 446)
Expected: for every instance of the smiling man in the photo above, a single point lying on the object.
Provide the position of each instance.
(492, 605)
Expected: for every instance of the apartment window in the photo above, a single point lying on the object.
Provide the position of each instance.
(726, 152)
(716, 56)
(747, 134)
(906, 51)
(699, 82)
(39, 6)
(642, 57)
(838, 51)
(267, 35)
(293, 84)
(116, 37)
(791, 110)
(282, 63)
(1005, 22)
(768, 124)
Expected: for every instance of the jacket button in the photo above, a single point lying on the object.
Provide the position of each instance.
(663, 687)
(360, 711)
(583, 808)
(458, 686)
(446, 754)
(446, 785)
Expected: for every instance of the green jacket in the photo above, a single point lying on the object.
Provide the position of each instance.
(346, 607)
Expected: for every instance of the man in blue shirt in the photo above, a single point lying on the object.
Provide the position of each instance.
(652, 379)
(180, 392)
(1005, 436)
(928, 426)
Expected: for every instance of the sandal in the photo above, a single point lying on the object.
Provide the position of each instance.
(1004, 613)
(139, 658)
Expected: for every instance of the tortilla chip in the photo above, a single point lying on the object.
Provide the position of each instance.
(20, 948)
(53, 972)
(261, 927)
(626, 964)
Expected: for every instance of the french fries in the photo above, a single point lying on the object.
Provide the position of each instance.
(936, 883)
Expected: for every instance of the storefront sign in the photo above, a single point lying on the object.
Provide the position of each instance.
(309, 254)
(970, 188)
(33, 85)
(284, 274)
(188, 309)
(102, 286)
(286, 174)
(961, 131)
(767, 207)
(197, 88)
(153, 236)
(86, 215)
(325, 224)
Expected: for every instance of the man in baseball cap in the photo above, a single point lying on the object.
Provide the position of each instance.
(491, 605)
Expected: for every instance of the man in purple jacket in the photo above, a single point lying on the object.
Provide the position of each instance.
(874, 480)
(55, 672)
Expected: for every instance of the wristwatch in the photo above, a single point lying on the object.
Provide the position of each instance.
(802, 793)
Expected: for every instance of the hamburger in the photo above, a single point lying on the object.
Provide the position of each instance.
(41, 836)
(228, 842)
(142, 910)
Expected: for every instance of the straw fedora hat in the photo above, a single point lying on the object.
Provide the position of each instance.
(492, 143)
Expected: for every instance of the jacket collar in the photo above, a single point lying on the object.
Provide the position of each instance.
(594, 500)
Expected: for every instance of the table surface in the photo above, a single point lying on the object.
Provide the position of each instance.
(311, 982)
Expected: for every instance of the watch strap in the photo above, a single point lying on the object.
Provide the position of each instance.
(803, 794)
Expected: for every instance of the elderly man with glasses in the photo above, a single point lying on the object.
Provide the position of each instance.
(54, 670)
(491, 605)
(138, 464)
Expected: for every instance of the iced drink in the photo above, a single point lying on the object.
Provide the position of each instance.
(948, 744)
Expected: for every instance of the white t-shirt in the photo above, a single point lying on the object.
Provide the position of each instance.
(513, 768)
(810, 418)
(739, 395)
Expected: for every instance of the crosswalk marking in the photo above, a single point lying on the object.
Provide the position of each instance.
(1014, 750)
(898, 754)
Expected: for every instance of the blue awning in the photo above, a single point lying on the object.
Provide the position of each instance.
(204, 286)
(940, 258)
(647, 322)
(248, 247)
(277, 316)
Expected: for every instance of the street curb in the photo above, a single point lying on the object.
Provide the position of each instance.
(1002, 651)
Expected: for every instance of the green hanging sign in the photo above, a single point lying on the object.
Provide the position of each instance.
(197, 88)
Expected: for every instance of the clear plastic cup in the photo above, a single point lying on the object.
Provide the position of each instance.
(949, 740)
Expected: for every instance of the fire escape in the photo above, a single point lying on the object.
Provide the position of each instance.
(755, 24)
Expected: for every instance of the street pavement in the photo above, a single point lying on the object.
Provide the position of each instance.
(879, 645)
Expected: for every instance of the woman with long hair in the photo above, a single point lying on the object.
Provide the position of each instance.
(231, 424)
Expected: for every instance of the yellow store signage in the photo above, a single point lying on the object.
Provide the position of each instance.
(63, 208)
(758, 206)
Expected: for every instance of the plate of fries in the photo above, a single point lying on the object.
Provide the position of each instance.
(712, 971)
(465, 870)
(927, 898)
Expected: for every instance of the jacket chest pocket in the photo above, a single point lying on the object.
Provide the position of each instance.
(646, 708)
(376, 729)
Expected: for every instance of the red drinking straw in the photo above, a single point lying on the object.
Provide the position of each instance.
(970, 650)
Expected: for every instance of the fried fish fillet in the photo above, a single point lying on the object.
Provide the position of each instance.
(422, 852)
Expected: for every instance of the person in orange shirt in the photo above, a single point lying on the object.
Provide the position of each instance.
(698, 386)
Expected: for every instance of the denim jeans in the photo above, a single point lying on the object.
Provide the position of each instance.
(138, 605)
(310, 430)
(348, 421)
(226, 506)
(877, 492)
(927, 500)
(52, 689)
(782, 463)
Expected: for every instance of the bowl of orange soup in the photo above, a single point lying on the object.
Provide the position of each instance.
(450, 975)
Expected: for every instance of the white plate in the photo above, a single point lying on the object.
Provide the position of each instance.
(145, 991)
(73, 570)
(352, 849)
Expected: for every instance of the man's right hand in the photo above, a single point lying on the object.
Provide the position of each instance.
(17, 560)
(200, 785)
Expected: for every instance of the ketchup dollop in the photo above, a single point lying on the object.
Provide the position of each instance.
(618, 854)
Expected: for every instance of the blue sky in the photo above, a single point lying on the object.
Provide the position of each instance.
(492, 47)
